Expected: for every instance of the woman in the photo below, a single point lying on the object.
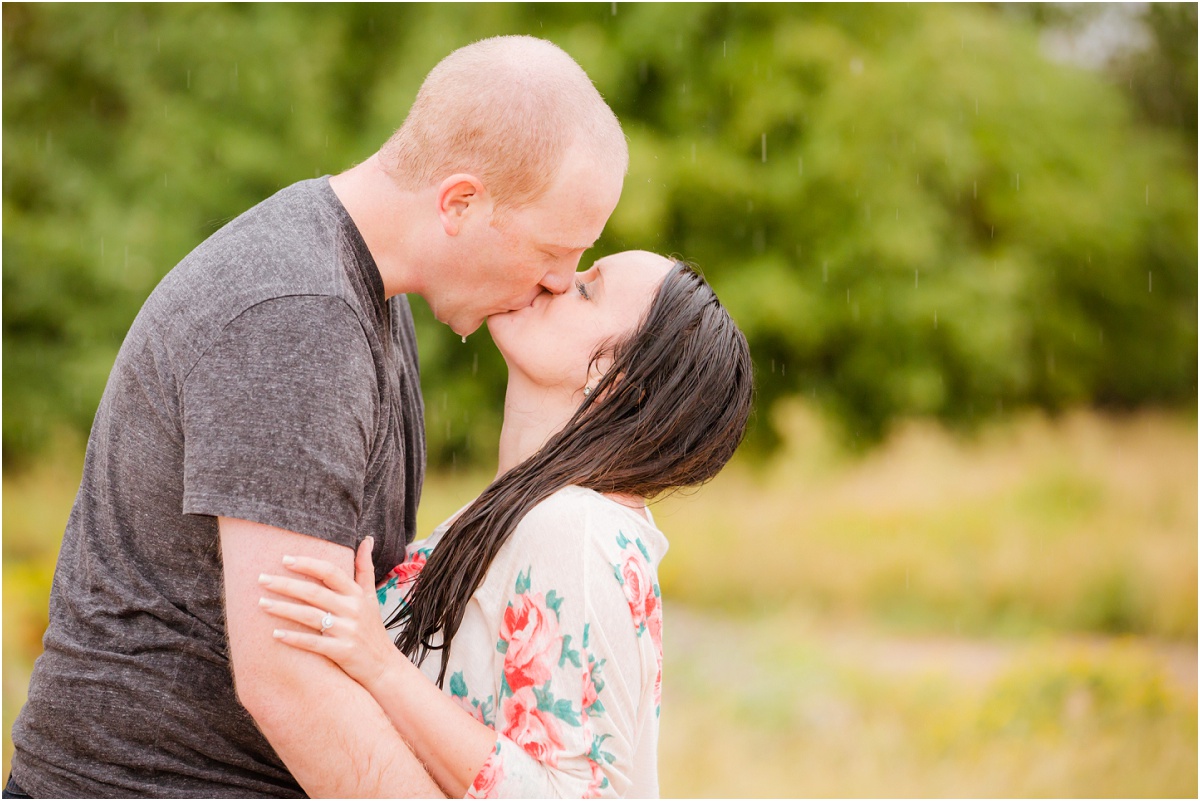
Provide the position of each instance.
(537, 605)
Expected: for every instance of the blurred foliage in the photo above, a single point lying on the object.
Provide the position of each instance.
(911, 210)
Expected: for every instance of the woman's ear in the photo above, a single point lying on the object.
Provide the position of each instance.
(597, 369)
(460, 197)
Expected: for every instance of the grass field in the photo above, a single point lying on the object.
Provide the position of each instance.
(1008, 615)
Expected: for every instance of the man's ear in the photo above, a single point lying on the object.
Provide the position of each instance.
(460, 197)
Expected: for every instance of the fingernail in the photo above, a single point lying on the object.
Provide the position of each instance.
(372, 541)
(263, 578)
(265, 603)
(287, 560)
(278, 634)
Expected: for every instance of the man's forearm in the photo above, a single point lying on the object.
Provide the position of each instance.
(329, 732)
(335, 739)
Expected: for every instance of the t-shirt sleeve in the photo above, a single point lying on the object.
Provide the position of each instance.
(579, 670)
(278, 419)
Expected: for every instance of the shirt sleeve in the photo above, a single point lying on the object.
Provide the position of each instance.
(279, 417)
(576, 684)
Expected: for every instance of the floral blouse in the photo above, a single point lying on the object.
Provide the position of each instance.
(560, 651)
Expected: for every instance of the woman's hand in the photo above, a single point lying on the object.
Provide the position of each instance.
(355, 638)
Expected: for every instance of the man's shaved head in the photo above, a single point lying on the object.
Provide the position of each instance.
(506, 110)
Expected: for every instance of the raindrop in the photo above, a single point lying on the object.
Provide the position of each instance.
(856, 66)
(918, 179)
(764, 148)
(475, 363)
(464, 339)
(772, 365)
(614, 9)
(847, 295)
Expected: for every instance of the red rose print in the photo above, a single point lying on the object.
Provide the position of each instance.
(534, 644)
(593, 789)
(487, 782)
(409, 569)
(531, 728)
(637, 584)
(589, 689)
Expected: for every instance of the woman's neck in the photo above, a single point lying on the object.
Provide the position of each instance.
(532, 415)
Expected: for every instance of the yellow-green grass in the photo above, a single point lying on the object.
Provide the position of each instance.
(786, 706)
(1007, 546)
(1084, 524)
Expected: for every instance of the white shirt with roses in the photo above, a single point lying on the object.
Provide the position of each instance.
(560, 651)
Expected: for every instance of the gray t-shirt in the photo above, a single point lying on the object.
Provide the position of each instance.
(266, 378)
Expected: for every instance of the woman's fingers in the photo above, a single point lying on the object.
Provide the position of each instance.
(297, 613)
(327, 647)
(325, 572)
(364, 569)
(300, 590)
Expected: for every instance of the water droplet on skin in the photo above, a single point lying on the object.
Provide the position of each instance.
(464, 340)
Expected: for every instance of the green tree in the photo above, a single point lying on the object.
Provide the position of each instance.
(910, 210)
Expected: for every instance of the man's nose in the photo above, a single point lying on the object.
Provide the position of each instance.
(558, 281)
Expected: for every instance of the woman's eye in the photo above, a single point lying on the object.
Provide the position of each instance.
(582, 287)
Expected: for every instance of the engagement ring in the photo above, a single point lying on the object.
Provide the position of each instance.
(326, 621)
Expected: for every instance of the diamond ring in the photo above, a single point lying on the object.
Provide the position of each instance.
(326, 622)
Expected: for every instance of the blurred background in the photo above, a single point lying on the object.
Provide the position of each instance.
(956, 555)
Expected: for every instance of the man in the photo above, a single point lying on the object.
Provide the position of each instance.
(266, 402)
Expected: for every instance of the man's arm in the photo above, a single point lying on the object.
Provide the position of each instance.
(327, 729)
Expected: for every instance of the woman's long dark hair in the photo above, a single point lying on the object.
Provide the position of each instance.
(668, 413)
